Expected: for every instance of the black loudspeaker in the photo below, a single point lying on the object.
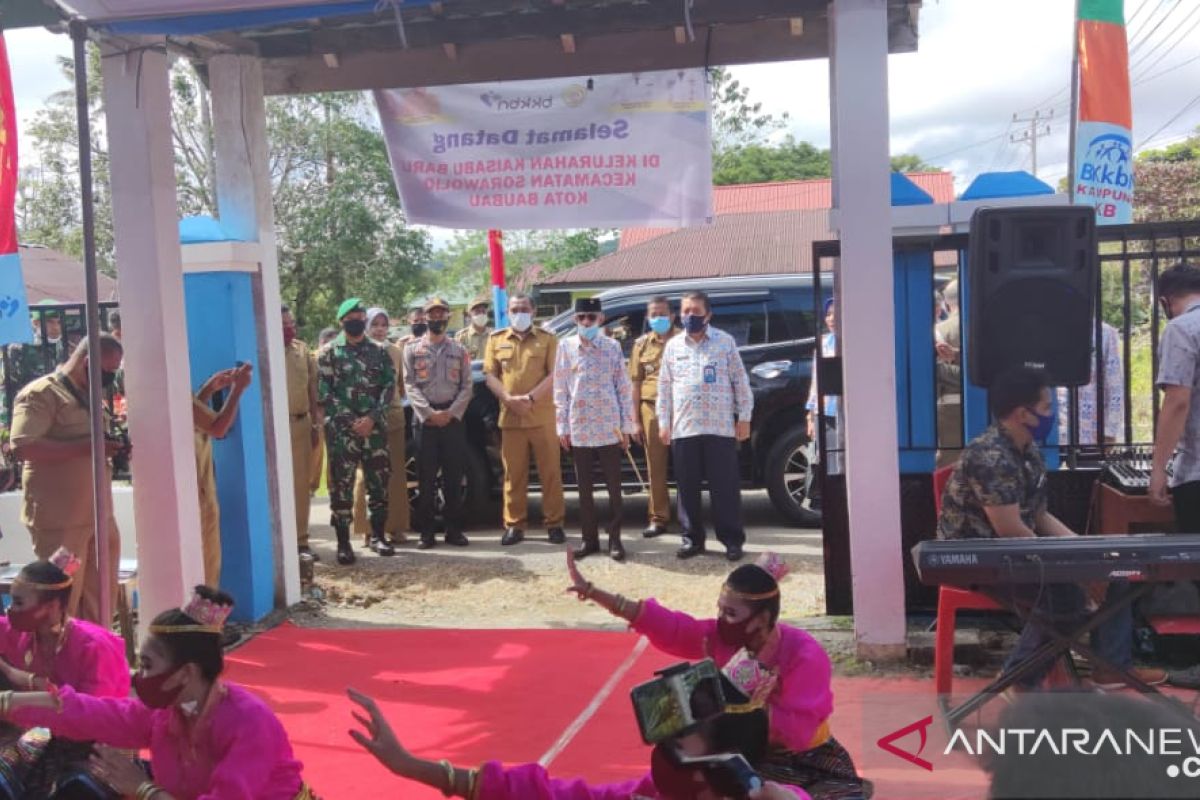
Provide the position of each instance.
(1032, 275)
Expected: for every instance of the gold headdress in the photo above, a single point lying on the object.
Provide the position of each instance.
(209, 617)
(66, 561)
(770, 563)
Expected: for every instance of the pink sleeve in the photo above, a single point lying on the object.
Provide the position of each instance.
(120, 722)
(102, 669)
(244, 760)
(803, 698)
(10, 643)
(532, 782)
(674, 632)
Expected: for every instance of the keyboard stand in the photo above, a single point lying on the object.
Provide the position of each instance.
(1060, 644)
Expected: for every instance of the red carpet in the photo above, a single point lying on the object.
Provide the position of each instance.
(511, 695)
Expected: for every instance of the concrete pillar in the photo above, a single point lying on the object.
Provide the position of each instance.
(137, 103)
(244, 205)
(862, 199)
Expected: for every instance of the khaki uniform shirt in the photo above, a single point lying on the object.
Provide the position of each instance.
(301, 369)
(645, 362)
(396, 351)
(206, 473)
(474, 341)
(57, 495)
(521, 363)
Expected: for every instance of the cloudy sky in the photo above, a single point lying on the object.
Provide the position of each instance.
(952, 102)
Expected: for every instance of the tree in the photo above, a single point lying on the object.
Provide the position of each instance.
(340, 227)
(1167, 182)
(909, 162)
(463, 267)
(1187, 150)
(763, 163)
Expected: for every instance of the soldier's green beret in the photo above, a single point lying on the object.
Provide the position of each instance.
(353, 304)
(52, 313)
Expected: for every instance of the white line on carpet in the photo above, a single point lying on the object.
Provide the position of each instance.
(584, 716)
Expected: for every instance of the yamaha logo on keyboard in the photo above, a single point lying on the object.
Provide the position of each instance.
(958, 559)
(1125, 573)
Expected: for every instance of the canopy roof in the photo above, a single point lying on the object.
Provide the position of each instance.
(366, 44)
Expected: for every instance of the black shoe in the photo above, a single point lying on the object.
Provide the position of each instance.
(380, 546)
(512, 536)
(556, 536)
(689, 550)
(308, 551)
(654, 530)
(588, 548)
(427, 542)
(457, 539)
(734, 553)
(616, 550)
(345, 552)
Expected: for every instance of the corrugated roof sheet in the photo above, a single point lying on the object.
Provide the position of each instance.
(787, 196)
(735, 244)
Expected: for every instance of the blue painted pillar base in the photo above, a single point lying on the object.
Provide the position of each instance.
(222, 330)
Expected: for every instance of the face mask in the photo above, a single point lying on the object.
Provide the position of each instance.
(289, 335)
(54, 339)
(1166, 309)
(419, 328)
(479, 320)
(23, 620)
(151, 692)
(521, 320)
(354, 327)
(694, 323)
(588, 332)
(437, 327)
(660, 325)
(1041, 430)
(735, 634)
(107, 379)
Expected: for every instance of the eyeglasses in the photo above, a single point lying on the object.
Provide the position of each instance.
(586, 317)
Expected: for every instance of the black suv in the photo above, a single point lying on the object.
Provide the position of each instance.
(770, 317)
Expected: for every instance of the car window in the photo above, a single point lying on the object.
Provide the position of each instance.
(789, 318)
(745, 321)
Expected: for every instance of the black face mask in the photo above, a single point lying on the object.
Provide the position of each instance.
(354, 327)
(437, 327)
(419, 328)
(107, 379)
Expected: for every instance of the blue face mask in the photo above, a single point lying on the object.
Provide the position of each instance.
(694, 323)
(1040, 431)
(588, 332)
(660, 325)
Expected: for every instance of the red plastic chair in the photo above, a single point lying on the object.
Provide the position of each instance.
(950, 602)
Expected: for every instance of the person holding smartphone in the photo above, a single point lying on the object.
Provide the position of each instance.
(671, 776)
(212, 424)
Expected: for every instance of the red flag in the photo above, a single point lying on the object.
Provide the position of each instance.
(8, 156)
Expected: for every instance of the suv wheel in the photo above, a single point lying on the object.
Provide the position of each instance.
(786, 478)
(476, 496)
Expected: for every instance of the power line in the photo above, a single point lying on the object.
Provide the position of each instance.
(1165, 17)
(969, 145)
(1168, 69)
(1141, 60)
(1034, 133)
(1133, 35)
(1171, 121)
(1133, 17)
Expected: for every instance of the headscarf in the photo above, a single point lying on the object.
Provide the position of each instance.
(374, 312)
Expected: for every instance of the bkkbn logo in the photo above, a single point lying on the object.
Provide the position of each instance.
(497, 102)
(920, 726)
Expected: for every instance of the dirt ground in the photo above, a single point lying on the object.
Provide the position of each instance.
(489, 586)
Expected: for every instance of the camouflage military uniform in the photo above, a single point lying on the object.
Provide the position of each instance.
(25, 363)
(993, 471)
(356, 380)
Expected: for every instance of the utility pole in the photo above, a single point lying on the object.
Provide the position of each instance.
(1033, 134)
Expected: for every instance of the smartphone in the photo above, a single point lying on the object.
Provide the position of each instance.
(678, 700)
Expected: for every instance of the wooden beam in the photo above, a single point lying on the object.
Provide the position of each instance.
(749, 43)
(568, 42)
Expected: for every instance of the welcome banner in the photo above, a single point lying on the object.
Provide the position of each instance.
(613, 151)
(1103, 171)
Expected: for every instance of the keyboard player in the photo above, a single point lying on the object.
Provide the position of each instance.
(998, 488)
